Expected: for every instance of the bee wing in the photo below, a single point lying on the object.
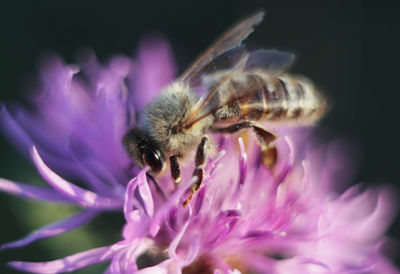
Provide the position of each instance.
(272, 61)
(232, 38)
(225, 61)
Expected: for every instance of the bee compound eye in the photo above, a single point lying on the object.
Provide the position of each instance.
(153, 158)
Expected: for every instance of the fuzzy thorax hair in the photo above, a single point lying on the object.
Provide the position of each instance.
(167, 111)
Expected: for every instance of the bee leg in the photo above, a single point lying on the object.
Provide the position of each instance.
(200, 159)
(175, 169)
(269, 154)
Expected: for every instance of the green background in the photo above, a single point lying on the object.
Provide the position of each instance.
(349, 48)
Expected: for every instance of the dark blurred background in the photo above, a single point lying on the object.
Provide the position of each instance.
(348, 48)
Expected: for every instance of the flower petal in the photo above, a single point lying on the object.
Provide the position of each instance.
(136, 219)
(81, 196)
(165, 267)
(173, 200)
(175, 242)
(193, 250)
(145, 193)
(242, 163)
(125, 260)
(156, 70)
(55, 228)
(129, 198)
(13, 130)
(31, 191)
(69, 263)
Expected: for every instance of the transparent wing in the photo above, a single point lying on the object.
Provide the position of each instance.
(271, 61)
(232, 38)
(225, 61)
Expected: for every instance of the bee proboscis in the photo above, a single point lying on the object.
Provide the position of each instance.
(242, 88)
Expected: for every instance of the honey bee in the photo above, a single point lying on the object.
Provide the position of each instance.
(242, 88)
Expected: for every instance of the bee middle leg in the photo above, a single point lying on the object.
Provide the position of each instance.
(269, 153)
(198, 171)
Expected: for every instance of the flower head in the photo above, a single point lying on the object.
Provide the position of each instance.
(74, 130)
(245, 218)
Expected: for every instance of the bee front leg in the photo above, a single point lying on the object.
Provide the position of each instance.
(269, 154)
(175, 169)
(198, 171)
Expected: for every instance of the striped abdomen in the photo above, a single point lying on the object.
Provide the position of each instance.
(258, 95)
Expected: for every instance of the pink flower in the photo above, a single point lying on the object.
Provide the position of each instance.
(244, 219)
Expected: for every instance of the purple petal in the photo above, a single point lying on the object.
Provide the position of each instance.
(129, 198)
(171, 203)
(13, 130)
(69, 263)
(136, 219)
(31, 191)
(81, 196)
(136, 226)
(165, 267)
(92, 170)
(156, 69)
(193, 250)
(291, 152)
(54, 229)
(242, 163)
(121, 263)
(145, 193)
(304, 265)
(125, 255)
(261, 263)
(199, 200)
(175, 242)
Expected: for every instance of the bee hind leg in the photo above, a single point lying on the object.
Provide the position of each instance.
(269, 153)
(198, 171)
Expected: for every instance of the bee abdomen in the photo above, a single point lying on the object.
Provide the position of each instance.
(297, 100)
(262, 97)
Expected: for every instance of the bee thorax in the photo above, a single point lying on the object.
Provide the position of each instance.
(164, 116)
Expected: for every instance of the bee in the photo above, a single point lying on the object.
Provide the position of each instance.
(242, 88)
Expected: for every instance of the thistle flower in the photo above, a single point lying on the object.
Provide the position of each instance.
(74, 129)
(244, 218)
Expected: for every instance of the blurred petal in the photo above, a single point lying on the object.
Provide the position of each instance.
(55, 229)
(242, 164)
(166, 267)
(66, 264)
(156, 69)
(14, 131)
(31, 191)
(193, 251)
(83, 197)
(175, 242)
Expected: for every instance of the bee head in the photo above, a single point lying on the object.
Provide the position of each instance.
(143, 151)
